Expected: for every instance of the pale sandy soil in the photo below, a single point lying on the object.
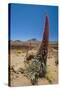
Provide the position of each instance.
(17, 61)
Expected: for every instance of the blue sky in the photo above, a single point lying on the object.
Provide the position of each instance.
(27, 21)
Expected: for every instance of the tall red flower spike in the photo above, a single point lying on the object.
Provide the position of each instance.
(43, 49)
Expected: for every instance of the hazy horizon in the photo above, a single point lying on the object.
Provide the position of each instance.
(33, 38)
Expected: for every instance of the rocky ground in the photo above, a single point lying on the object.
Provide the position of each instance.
(17, 58)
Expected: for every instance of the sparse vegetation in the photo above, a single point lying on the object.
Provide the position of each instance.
(56, 62)
(19, 52)
(29, 57)
(29, 72)
(49, 80)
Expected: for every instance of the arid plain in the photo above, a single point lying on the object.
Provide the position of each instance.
(17, 56)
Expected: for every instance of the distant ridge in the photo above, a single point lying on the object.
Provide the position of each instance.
(33, 40)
